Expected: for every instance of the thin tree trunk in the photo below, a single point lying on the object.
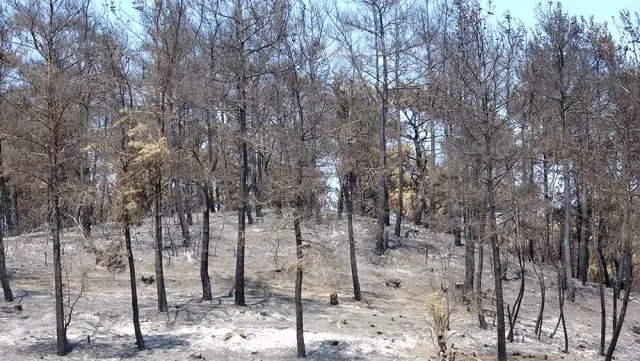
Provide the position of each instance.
(603, 308)
(347, 186)
(55, 221)
(616, 294)
(417, 216)
(242, 191)
(543, 292)
(627, 262)
(16, 210)
(547, 214)
(204, 253)
(398, 224)
(470, 251)
(482, 322)
(516, 306)
(134, 293)
(162, 296)
(561, 318)
(566, 244)
(432, 157)
(258, 183)
(584, 234)
(601, 233)
(383, 191)
(184, 225)
(341, 200)
(4, 278)
(497, 268)
(188, 211)
(298, 291)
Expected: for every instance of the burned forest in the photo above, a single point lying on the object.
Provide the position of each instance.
(331, 180)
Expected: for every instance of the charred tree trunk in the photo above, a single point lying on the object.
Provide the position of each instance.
(86, 210)
(420, 209)
(134, 293)
(497, 268)
(601, 233)
(627, 264)
(470, 251)
(55, 222)
(188, 210)
(258, 183)
(162, 296)
(547, 197)
(482, 322)
(432, 157)
(16, 210)
(242, 148)
(341, 200)
(383, 191)
(298, 291)
(543, 293)
(398, 224)
(616, 293)
(585, 223)
(204, 253)
(566, 240)
(347, 186)
(561, 318)
(4, 278)
(184, 225)
(603, 308)
(513, 317)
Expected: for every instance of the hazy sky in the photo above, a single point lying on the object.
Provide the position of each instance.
(602, 10)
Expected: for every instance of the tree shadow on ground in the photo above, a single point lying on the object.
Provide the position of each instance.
(119, 347)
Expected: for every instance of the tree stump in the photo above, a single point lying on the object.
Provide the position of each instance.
(394, 283)
(333, 299)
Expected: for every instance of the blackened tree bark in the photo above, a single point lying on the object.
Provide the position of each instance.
(585, 224)
(242, 148)
(298, 291)
(513, 317)
(398, 224)
(341, 200)
(188, 209)
(383, 194)
(4, 278)
(55, 220)
(627, 249)
(180, 208)
(482, 322)
(470, 252)
(204, 253)
(603, 307)
(566, 239)
(259, 171)
(561, 298)
(348, 188)
(400, 130)
(162, 296)
(601, 232)
(497, 268)
(134, 293)
(543, 293)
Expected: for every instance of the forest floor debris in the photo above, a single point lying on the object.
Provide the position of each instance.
(388, 325)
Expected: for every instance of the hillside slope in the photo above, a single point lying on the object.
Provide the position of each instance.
(388, 325)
